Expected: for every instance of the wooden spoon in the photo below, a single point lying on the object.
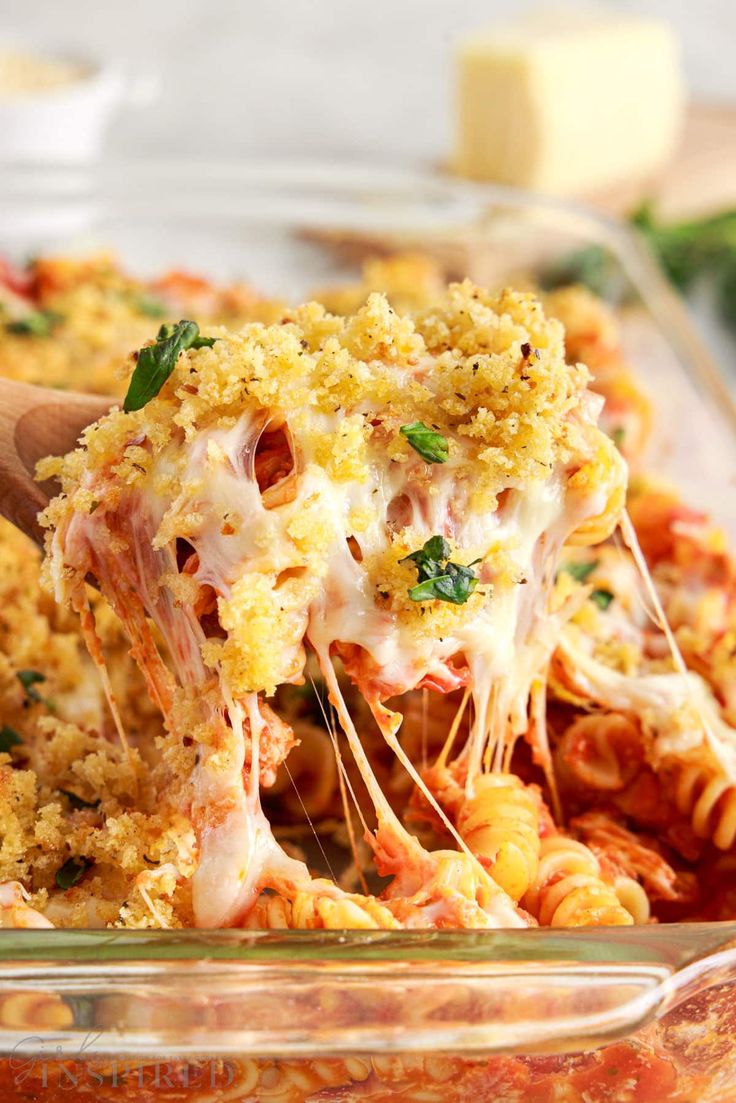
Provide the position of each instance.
(37, 422)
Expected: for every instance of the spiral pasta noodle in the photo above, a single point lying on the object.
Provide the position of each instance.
(500, 824)
(320, 911)
(569, 890)
(632, 896)
(299, 1081)
(605, 470)
(601, 752)
(271, 1080)
(709, 800)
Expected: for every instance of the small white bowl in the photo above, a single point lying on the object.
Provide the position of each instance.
(66, 123)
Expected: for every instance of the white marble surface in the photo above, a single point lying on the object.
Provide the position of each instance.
(335, 77)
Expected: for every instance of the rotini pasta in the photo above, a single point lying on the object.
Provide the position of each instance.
(633, 898)
(601, 752)
(569, 891)
(592, 337)
(321, 911)
(605, 470)
(709, 800)
(500, 824)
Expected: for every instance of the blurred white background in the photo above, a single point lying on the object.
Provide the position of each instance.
(322, 77)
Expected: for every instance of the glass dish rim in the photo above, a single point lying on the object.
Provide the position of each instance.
(630, 986)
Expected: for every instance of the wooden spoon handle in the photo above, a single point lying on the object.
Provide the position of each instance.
(37, 422)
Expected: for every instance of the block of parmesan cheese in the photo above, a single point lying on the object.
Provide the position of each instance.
(568, 105)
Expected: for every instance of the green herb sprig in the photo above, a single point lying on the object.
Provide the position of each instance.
(37, 323)
(602, 598)
(8, 738)
(580, 571)
(156, 362)
(438, 578)
(148, 306)
(430, 444)
(593, 266)
(685, 251)
(694, 248)
(72, 872)
(29, 679)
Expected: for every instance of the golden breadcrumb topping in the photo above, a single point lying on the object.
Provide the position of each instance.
(487, 371)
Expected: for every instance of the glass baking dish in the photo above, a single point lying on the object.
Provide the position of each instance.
(546, 1016)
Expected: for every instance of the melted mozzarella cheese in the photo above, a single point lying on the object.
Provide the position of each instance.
(677, 708)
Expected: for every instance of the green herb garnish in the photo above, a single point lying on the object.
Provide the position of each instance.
(687, 251)
(156, 362)
(149, 306)
(79, 802)
(29, 679)
(602, 598)
(594, 267)
(71, 872)
(617, 435)
(38, 323)
(580, 571)
(429, 557)
(8, 738)
(439, 579)
(430, 445)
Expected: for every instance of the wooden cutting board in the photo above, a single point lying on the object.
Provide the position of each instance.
(701, 178)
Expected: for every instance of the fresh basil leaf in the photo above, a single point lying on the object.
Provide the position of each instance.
(156, 362)
(438, 578)
(428, 559)
(169, 329)
(428, 590)
(29, 679)
(72, 872)
(8, 738)
(430, 445)
(79, 802)
(580, 571)
(602, 598)
(455, 586)
(38, 323)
